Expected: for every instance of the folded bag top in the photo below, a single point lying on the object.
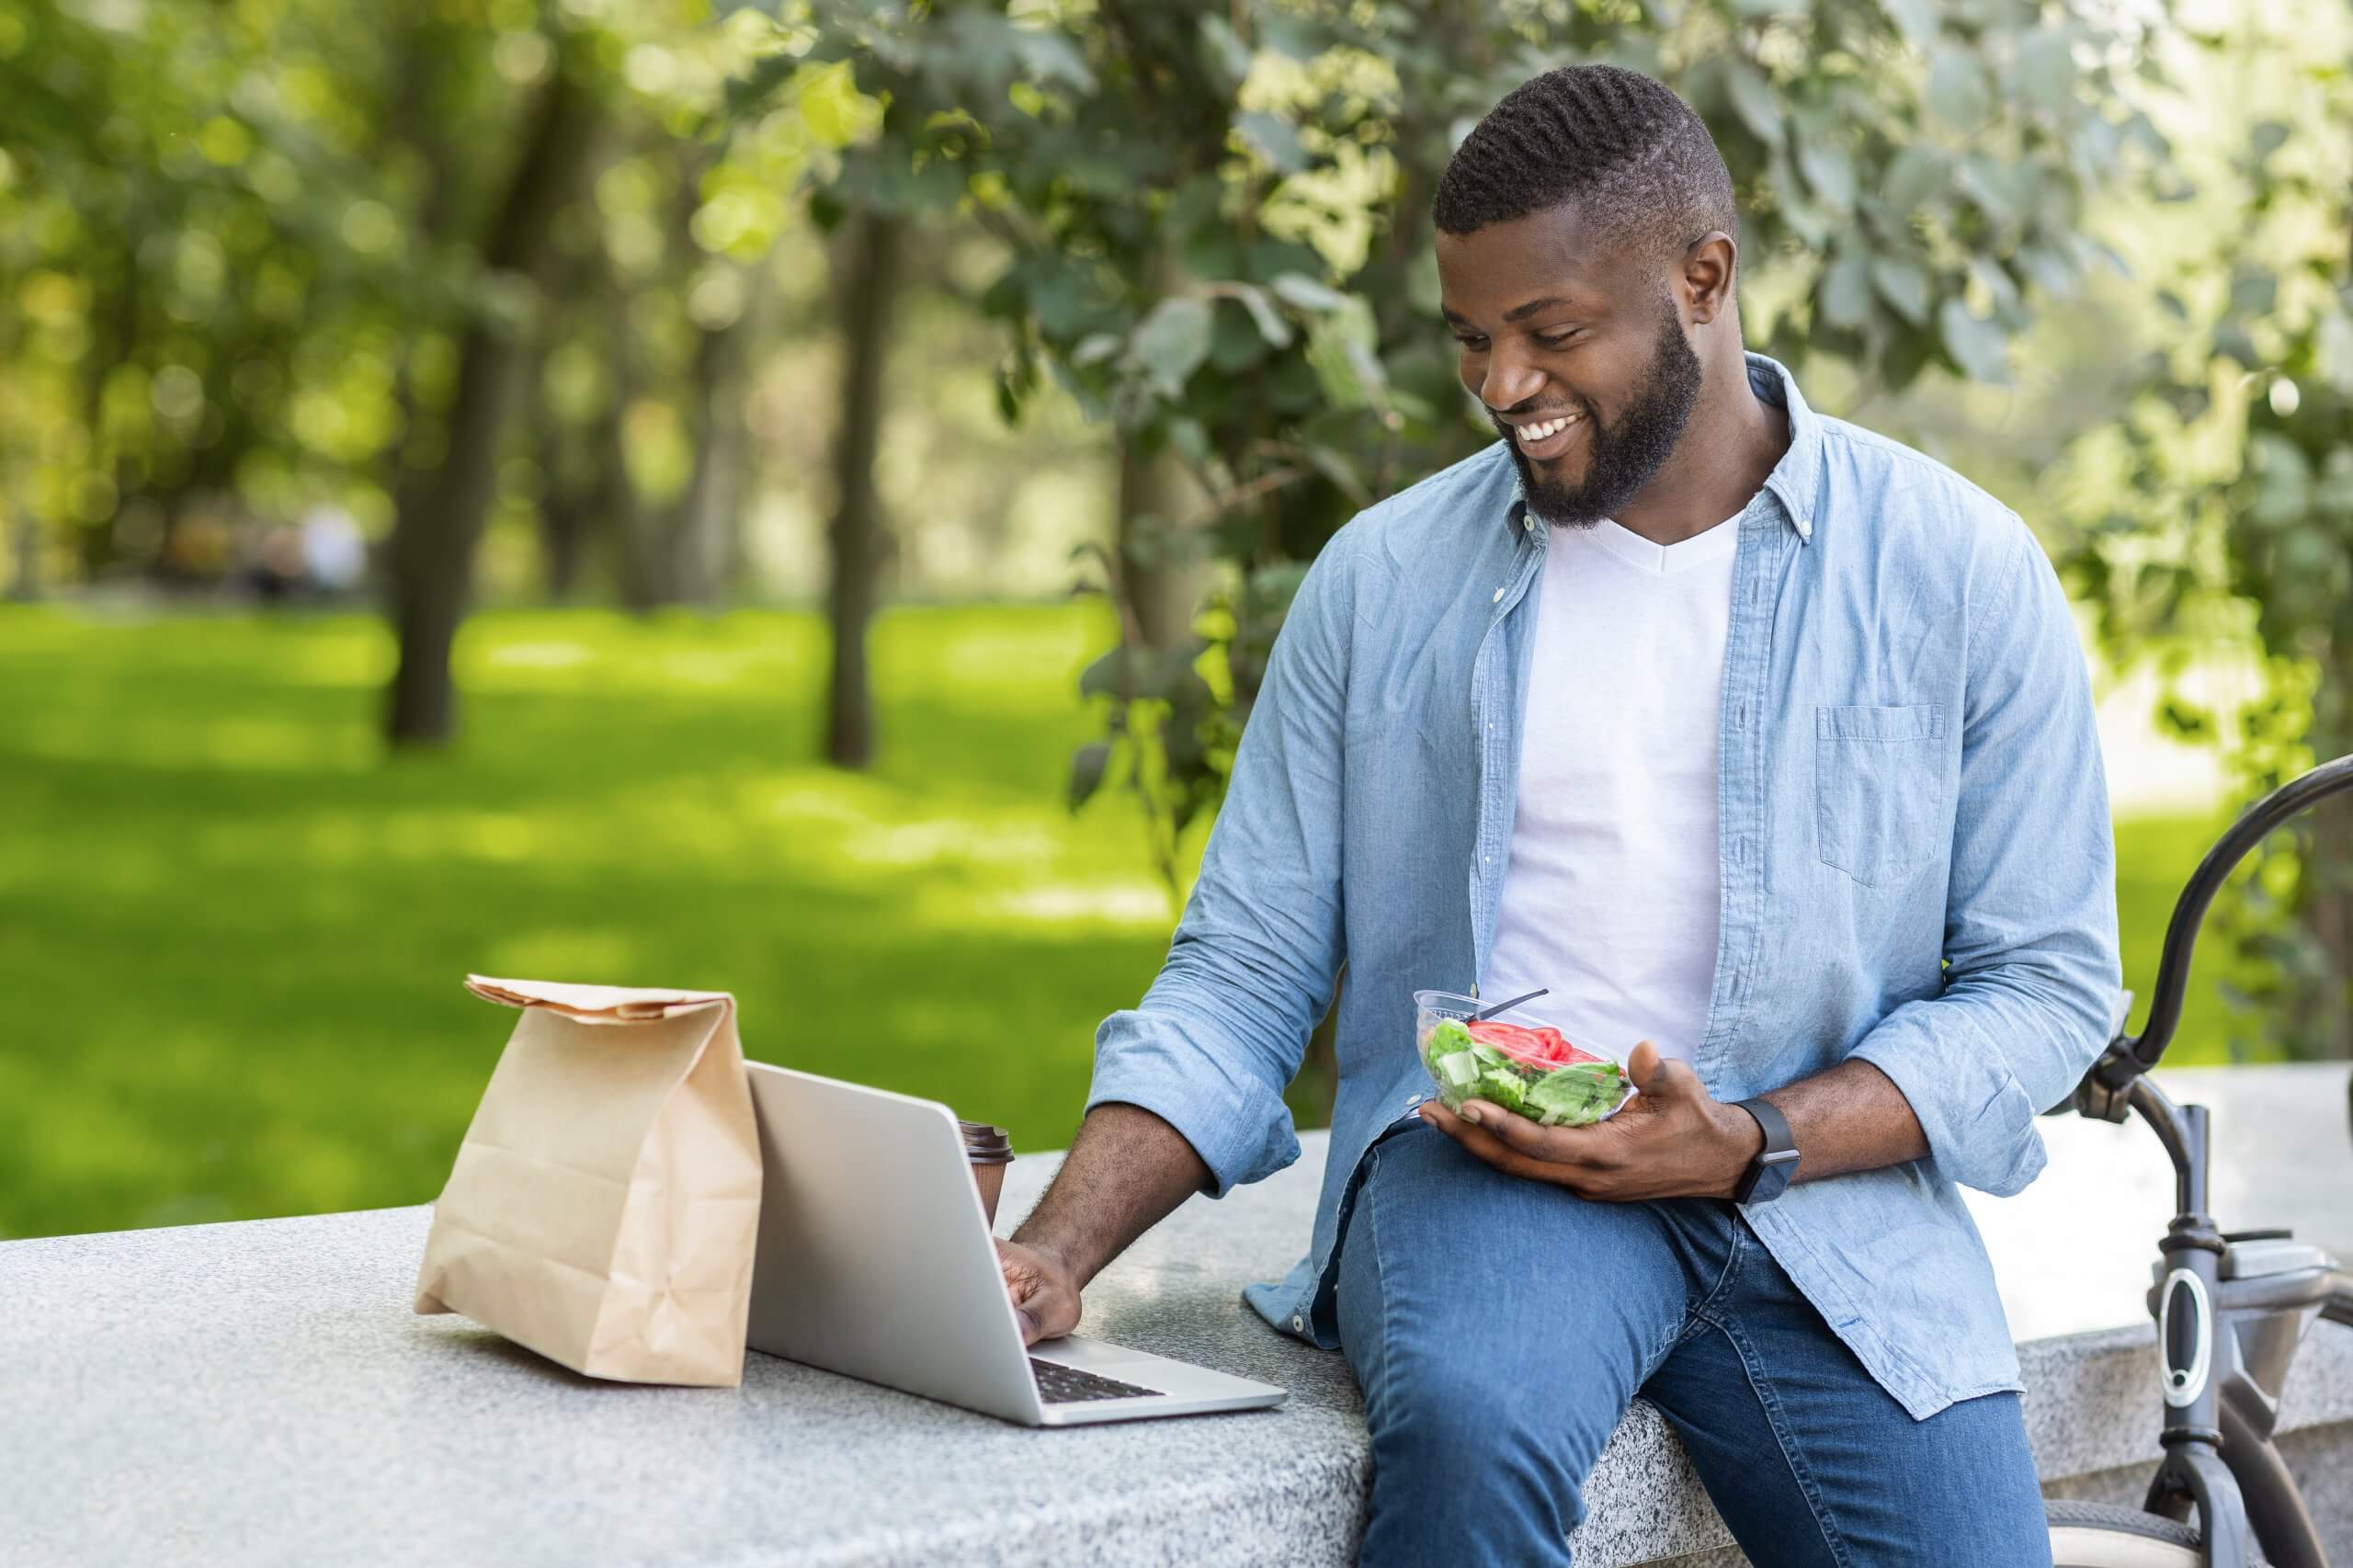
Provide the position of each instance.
(604, 1204)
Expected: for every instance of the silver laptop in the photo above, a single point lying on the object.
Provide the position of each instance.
(875, 1260)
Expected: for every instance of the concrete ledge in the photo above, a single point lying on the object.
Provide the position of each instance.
(260, 1393)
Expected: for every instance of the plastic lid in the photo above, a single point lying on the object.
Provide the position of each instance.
(986, 1144)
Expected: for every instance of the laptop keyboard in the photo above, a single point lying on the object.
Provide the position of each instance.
(1068, 1385)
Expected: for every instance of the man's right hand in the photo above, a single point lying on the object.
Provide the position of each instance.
(1124, 1173)
(1045, 1297)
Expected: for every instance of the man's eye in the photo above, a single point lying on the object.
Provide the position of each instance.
(1558, 340)
(1473, 343)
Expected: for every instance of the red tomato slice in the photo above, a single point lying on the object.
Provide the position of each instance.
(1544, 1046)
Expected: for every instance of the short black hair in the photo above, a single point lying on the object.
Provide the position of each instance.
(1637, 162)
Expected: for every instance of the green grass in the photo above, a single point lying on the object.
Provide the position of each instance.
(232, 932)
(232, 936)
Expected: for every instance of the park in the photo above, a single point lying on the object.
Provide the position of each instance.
(801, 501)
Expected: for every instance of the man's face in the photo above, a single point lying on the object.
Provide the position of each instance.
(1553, 328)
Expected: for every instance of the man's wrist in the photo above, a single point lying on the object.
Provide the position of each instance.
(1055, 1249)
(1743, 1140)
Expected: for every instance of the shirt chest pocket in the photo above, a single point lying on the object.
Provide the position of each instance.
(1878, 780)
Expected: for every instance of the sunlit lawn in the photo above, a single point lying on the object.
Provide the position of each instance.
(232, 934)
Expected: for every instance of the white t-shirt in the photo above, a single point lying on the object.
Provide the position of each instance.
(1611, 893)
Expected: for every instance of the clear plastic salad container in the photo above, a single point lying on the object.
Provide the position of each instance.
(1516, 1060)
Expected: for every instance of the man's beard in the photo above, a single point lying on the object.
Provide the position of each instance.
(1623, 454)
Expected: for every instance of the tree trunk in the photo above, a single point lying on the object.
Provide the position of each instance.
(439, 514)
(25, 586)
(703, 531)
(1158, 495)
(567, 496)
(867, 262)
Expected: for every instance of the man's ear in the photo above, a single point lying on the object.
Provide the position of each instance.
(1708, 270)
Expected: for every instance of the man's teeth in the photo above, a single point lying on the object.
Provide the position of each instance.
(1531, 435)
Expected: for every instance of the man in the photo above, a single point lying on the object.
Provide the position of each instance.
(1757, 738)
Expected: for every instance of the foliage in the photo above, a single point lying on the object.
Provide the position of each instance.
(241, 240)
(2238, 456)
(244, 934)
(1219, 220)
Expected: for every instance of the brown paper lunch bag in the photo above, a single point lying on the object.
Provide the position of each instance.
(603, 1205)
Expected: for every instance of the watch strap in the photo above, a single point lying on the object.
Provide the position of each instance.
(1770, 1171)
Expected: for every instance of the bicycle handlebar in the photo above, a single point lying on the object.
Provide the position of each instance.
(2130, 1055)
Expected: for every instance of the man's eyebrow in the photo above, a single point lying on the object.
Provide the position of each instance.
(1533, 307)
(1516, 313)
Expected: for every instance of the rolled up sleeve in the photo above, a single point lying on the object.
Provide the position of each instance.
(2031, 973)
(1251, 969)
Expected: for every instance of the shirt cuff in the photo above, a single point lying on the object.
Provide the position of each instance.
(1234, 1119)
(1978, 1118)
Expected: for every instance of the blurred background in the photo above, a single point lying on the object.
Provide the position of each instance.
(796, 498)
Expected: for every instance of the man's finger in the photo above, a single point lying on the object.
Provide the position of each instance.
(1644, 1065)
(1485, 1138)
(1546, 1145)
(1530, 1138)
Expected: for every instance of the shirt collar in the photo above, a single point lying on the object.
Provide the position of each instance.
(1794, 479)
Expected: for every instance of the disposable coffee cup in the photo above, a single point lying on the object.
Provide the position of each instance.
(988, 1149)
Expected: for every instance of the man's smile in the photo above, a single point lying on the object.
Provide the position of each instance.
(1541, 440)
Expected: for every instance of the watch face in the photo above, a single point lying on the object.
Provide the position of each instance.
(1768, 1178)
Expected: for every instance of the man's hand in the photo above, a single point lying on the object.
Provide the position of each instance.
(1671, 1140)
(1045, 1297)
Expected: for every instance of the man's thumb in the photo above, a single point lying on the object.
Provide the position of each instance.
(1643, 1067)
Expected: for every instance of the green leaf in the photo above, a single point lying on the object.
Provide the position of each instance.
(2333, 343)
(1173, 340)
(1225, 52)
(1916, 19)
(1977, 347)
(1914, 174)
(1957, 91)
(1422, 286)
(1271, 325)
(1095, 348)
(1904, 286)
(1273, 139)
(1829, 171)
(1753, 100)
(1845, 292)
(2045, 72)
(1236, 343)
(2049, 270)
(1087, 766)
(1298, 288)
(1337, 467)
(2253, 292)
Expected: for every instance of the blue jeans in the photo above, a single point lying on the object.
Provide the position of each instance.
(1499, 1327)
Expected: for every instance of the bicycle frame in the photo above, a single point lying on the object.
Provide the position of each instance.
(2231, 1307)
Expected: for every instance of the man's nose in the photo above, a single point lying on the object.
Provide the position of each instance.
(1510, 381)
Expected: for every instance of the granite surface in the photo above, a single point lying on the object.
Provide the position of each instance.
(260, 1393)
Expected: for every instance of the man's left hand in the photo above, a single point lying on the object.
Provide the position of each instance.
(1670, 1141)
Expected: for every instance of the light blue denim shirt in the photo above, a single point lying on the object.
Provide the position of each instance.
(1913, 834)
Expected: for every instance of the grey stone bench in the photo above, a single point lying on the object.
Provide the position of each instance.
(260, 1393)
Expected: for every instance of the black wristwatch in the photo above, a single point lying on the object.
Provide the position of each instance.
(1776, 1165)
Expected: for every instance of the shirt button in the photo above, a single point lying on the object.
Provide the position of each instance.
(1498, 598)
(1298, 1324)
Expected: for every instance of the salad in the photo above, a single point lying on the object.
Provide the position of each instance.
(1532, 1072)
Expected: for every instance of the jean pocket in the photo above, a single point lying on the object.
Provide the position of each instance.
(1878, 780)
